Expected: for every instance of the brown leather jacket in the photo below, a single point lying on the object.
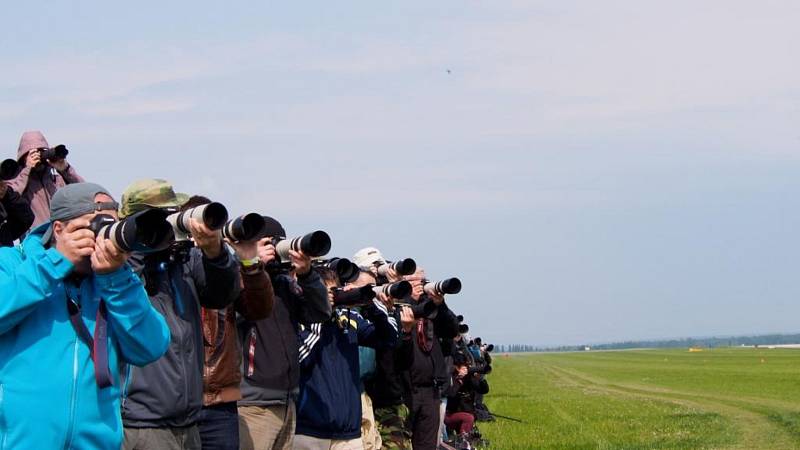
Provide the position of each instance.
(222, 371)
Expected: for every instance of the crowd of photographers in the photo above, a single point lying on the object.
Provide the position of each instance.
(159, 322)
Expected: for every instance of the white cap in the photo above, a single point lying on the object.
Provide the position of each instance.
(368, 257)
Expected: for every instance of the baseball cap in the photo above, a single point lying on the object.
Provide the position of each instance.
(368, 257)
(149, 193)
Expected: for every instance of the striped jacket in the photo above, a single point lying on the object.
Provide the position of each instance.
(329, 405)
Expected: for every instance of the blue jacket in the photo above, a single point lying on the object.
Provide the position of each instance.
(329, 405)
(48, 394)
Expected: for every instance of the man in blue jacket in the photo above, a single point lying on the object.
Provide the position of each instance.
(329, 405)
(71, 313)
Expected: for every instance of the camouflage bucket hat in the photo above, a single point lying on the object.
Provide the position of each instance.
(149, 193)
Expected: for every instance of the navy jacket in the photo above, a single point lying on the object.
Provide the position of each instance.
(329, 406)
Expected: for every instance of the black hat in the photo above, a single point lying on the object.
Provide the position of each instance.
(273, 228)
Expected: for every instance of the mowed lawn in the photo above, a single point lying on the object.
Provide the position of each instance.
(729, 398)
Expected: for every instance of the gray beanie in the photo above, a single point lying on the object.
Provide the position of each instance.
(75, 200)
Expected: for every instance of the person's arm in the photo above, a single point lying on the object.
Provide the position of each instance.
(313, 305)
(216, 279)
(29, 282)
(309, 336)
(257, 296)
(445, 324)
(404, 354)
(140, 331)
(68, 173)
(20, 182)
(377, 330)
(19, 216)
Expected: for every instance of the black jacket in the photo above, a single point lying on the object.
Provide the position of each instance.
(428, 369)
(271, 371)
(385, 388)
(461, 397)
(16, 217)
(169, 392)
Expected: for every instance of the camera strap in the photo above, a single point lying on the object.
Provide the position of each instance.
(98, 345)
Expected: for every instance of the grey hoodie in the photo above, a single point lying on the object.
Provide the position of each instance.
(38, 186)
(169, 391)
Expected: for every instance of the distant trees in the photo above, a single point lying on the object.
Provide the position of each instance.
(709, 342)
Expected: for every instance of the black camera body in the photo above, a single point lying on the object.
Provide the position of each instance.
(56, 153)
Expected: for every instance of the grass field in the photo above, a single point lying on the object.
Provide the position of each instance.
(647, 399)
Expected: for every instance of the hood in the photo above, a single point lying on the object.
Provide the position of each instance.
(30, 140)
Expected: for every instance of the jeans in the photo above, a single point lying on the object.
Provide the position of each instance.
(219, 427)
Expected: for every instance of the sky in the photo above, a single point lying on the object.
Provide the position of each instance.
(592, 171)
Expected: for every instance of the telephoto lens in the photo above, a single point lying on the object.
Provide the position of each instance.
(353, 297)
(244, 228)
(9, 169)
(403, 267)
(213, 215)
(463, 328)
(313, 244)
(56, 153)
(422, 310)
(448, 286)
(345, 270)
(397, 291)
(490, 348)
(146, 231)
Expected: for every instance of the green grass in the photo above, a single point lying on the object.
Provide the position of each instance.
(647, 399)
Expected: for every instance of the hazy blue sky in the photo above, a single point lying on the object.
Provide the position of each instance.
(592, 170)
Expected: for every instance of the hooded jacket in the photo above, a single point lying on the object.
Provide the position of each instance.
(16, 217)
(49, 397)
(37, 186)
(169, 392)
(329, 405)
(271, 372)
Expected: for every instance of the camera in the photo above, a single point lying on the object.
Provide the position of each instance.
(403, 267)
(353, 297)
(313, 244)
(397, 291)
(244, 228)
(146, 231)
(345, 270)
(448, 286)
(214, 215)
(463, 328)
(56, 153)
(9, 169)
(421, 310)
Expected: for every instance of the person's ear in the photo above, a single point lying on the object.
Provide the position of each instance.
(58, 228)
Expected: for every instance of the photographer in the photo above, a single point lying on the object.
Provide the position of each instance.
(72, 313)
(468, 382)
(428, 374)
(271, 371)
(385, 389)
(40, 178)
(330, 413)
(163, 401)
(222, 370)
(16, 216)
